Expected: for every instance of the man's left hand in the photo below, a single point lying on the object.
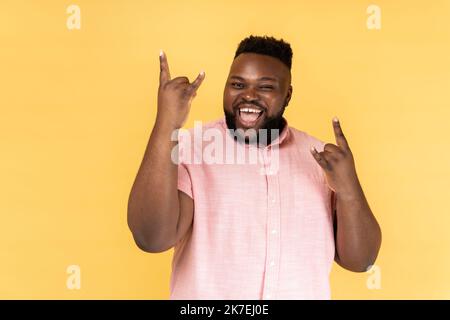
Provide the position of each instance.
(338, 163)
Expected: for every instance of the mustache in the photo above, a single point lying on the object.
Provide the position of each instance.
(254, 103)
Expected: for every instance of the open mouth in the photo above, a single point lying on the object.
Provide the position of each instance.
(249, 116)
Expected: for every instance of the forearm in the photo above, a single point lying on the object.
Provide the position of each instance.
(153, 207)
(358, 235)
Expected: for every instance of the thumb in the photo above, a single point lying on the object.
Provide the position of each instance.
(197, 82)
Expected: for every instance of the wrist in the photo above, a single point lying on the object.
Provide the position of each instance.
(353, 192)
(166, 125)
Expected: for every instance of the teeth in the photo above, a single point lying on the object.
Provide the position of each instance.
(250, 110)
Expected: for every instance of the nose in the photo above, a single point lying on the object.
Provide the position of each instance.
(250, 94)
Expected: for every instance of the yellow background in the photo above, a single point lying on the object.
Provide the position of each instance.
(77, 108)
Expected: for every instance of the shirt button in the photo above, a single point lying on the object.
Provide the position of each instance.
(274, 231)
(268, 296)
(272, 264)
(272, 199)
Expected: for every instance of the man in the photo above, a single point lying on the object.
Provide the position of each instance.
(239, 232)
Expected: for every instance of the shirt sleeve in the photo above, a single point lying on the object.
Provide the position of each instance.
(184, 180)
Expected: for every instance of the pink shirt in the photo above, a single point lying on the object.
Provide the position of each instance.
(256, 234)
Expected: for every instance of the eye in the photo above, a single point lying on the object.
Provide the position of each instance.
(237, 85)
(268, 88)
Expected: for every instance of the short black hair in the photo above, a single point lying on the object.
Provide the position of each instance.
(268, 46)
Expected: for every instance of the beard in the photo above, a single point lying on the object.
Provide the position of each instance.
(263, 137)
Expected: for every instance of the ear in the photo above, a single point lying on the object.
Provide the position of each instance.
(288, 96)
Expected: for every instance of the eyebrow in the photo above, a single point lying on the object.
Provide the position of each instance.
(260, 79)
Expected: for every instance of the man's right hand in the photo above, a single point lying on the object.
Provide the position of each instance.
(174, 96)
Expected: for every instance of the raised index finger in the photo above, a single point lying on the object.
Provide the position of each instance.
(164, 73)
(340, 138)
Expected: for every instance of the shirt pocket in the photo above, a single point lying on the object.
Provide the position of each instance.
(311, 197)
